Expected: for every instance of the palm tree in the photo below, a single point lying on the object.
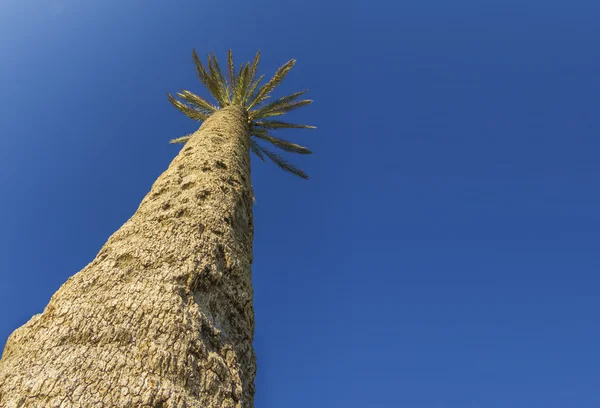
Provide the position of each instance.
(163, 316)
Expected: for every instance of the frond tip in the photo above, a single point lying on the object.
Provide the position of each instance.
(275, 124)
(282, 163)
(244, 89)
(182, 139)
(267, 88)
(280, 143)
(190, 112)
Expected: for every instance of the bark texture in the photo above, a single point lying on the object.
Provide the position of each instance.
(163, 316)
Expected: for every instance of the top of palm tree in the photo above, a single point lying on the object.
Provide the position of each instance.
(244, 89)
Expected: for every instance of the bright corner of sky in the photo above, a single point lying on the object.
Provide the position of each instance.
(445, 252)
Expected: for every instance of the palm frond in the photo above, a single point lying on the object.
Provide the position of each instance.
(282, 163)
(208, 81)
(266, 89)
(278, 104)
(254, 66)
(189, 112)
(275, 124)
(231, 72)
(197, 101)
(280, 143)
(217, 68)
(203, 75)
(256, 149)
(241, 86)
(215, 71)
(285, 109)
(247, 83)
(182, 139)
(240, 73)
(252, 91)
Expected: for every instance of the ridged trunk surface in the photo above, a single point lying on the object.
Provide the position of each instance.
(163, 316)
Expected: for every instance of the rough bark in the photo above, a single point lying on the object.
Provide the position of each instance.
(163, 316)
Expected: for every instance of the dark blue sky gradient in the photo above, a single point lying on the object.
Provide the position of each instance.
(444, 253)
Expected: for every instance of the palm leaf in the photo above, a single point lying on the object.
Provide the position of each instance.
(241, 86)
(282, 163)
(256, 149)
(215, 72)
(285, 109)
(282, 100)
(217, 68)
(281, 103)
(254, 65)
(266, 89)
(240, 73)
(252, 74)
(202, 74)
(275, 124)
(280, 143)
(194, 99)
(189, 112)
(208, 81)
(182, 139)
(231, 71)
(252, 92)
(247, 83)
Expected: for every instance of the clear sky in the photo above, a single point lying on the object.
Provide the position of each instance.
(445, 252)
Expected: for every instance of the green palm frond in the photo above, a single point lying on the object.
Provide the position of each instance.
(253, 91)
(266, 89)
(282, 163)
(281, 101)
(256, 149)
(209, 81)
(247, 82)
(215, 71)
(188, 111)
(252, 84)
(254, 65)
(275, 124)
(280, 106)
(202, 74)
(237, 81)
(197, 101)
(216, 67)
(280, 143)
(286, 108)
(231, 72)
(182, 139)
(241, 86)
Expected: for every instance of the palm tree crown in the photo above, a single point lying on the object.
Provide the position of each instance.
(244, 89)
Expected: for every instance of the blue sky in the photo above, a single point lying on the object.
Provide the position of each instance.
(444, 253)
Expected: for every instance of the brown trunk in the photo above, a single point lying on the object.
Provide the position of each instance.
(163, 316)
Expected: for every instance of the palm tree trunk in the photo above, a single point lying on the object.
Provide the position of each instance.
(163, 316)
